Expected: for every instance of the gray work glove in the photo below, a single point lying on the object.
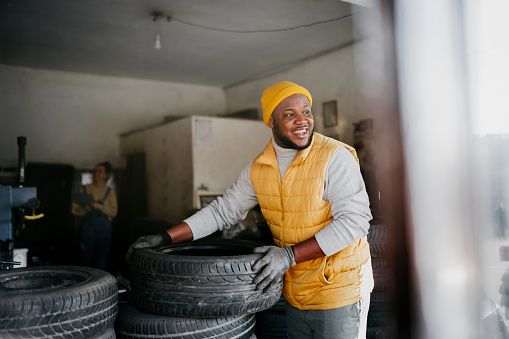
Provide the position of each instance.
(275, 263)
(148, 241)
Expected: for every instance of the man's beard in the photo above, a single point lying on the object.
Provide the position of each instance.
(287, 143)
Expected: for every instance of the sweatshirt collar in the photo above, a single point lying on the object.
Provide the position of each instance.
(269, 155)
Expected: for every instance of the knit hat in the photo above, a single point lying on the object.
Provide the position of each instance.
(276, 93)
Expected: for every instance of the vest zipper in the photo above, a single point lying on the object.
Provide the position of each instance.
(283, 209)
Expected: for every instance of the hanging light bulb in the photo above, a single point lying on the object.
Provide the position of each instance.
(156, 17)
(157, 44)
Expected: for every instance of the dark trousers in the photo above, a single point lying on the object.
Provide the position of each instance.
(95, 240)
(347, 322)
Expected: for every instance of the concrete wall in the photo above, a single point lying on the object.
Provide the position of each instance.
(329, 77)
(77, 119)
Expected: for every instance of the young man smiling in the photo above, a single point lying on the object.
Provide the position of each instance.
(292, 123)
(312, 195)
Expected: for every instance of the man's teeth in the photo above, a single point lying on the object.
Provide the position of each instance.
(301, 131)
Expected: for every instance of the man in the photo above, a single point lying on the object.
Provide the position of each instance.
(313, 198)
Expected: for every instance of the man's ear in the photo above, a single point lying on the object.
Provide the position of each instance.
(271, 122)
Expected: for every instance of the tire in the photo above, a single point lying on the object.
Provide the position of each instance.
(56, 302)
(271, 323)
(380, 265)
(200, 279)
(108, 334)
(133, 323)
(378, 240)
(379, 315)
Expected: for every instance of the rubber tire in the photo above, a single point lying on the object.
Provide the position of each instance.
(279, 307)
(378, 239)
(379, 315)
(133, 323)
(108, 334)
(56, 302)
(200, 279)
(271, 323)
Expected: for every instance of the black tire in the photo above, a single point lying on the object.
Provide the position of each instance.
(108, 334)
(56, 302)
(200, 279)
(271, 325)
(133, 323)
(380, 265)
(378, 240)
(382, 281)
(379, 316)
(279, 307)
(384, 333)
(139, 227)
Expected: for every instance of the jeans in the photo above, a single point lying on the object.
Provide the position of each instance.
(347, 322)
(95, 239)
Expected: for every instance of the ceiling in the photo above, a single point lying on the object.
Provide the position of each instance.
(217, 42)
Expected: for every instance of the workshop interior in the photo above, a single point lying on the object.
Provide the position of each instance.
(169, 93)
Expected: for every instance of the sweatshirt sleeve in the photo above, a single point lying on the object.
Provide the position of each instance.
(345, 190)
(226, 210)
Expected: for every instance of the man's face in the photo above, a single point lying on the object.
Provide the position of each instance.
(292, 122)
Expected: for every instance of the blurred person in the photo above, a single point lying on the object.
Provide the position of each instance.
(312, 195)
(96, 230)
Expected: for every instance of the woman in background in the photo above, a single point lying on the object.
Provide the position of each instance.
(95, 234)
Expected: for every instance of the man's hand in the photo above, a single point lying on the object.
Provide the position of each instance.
(275, 263)
(148, 241)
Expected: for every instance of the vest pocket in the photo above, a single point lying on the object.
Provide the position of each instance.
(328, 271)
(310, 275)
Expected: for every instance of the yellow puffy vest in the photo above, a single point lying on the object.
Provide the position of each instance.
(295, 211)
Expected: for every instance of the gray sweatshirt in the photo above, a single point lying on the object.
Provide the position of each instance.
(344, 189)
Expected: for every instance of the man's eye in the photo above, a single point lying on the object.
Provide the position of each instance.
(289, 115)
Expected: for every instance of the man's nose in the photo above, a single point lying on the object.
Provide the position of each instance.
(301, 118)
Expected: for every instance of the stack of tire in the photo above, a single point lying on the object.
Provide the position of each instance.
(201, 289)
(379, 316)
(271, 323)
(58, 302)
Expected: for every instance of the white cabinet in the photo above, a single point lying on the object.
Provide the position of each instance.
(192, 155)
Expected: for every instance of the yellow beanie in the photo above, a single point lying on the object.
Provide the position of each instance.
(276, 93)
